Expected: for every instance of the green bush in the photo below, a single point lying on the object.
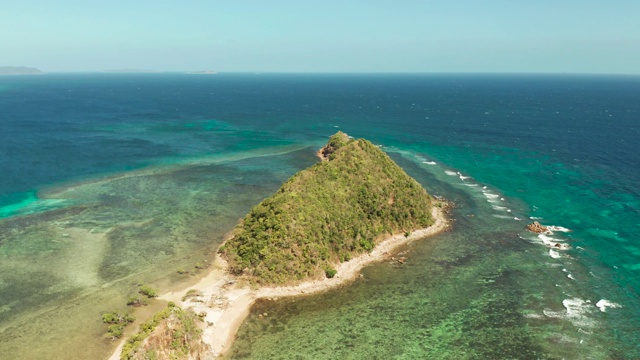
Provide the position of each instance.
(117, 322)
(186, 333)
(147, 291)
(117, 318)
(137, 301)
(111, 318)
(115, 331)
(330, 272)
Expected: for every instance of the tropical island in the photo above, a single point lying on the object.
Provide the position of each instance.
(315, 233)
(19, 70)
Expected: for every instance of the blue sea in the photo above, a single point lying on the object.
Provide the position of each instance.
(113, 180)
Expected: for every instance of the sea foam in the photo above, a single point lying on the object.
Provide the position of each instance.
(604, 304)
(554, 254)
(558, 228)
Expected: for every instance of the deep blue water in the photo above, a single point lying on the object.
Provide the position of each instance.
(562, 148)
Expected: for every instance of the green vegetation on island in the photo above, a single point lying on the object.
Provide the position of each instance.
(327, 214)
(147, 291)
(173, 333)
(117, 322)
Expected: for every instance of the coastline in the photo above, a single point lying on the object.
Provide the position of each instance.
(226, 302)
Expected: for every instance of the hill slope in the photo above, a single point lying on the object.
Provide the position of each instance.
(326, 214)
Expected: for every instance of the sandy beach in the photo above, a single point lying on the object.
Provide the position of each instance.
(227, 301)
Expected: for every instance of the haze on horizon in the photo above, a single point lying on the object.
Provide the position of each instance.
(331, 36)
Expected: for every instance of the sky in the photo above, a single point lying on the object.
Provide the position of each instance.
(541, 36)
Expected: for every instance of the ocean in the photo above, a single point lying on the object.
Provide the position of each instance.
(114, 180)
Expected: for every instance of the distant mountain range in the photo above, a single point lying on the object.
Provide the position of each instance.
(18, 70)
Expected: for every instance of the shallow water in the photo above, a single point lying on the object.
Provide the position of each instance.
(86, 258)
(120, 179)
(485, 289)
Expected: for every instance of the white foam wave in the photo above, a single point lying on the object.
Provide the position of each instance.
(553, 314)
(517, 219)
(604, 304)
(554, 254)
(552, 242)
(429, 162)
(450, 173)
(577, 311)
(501, 216)
(490, 195)
(471, 185)
(499, 208)
(558, 228)
(535, 218)
(463, 178)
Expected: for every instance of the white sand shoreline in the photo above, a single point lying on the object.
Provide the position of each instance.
(226, 302)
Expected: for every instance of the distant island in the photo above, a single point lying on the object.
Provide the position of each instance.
(19, 70)
(316, 232)
(202, 72)
(131, 70)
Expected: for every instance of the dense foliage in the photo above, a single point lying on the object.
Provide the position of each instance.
(173, 333)
(117, 322)
(327, 214)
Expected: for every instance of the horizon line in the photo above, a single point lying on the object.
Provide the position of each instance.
(213, 72)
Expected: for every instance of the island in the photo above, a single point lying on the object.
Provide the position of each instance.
(326, 215)
(19, 70)
(324, 224)
(202, 72)
(130, 71)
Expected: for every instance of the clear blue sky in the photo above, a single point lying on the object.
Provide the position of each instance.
(574, 36)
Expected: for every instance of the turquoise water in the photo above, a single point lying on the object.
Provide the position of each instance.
(486, 289)
(120, 179)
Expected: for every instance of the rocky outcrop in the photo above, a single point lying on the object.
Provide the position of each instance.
(335, 142)
(538, 228)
